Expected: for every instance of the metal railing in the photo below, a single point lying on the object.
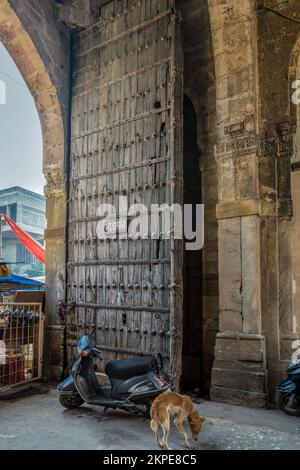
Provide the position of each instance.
(21, 344)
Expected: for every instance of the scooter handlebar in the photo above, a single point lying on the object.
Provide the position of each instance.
(98, 353)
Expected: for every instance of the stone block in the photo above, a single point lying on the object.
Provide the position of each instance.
(227, 180)
(230, 321)
(242, 208)
(230, 265)
(251, 280)
(238, 348)
(285, 275)
(238, 397)
(238, 379)
(247, 177)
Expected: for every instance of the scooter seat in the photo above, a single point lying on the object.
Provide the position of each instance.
(127, 368)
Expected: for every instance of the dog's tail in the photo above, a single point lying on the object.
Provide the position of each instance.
(153, 414)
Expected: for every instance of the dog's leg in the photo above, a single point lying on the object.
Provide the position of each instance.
(159, 442)
(155, 428)
(179, 424)
(166, 428)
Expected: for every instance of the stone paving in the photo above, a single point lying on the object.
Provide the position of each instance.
(37, 421)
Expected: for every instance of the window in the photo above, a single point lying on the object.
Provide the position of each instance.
(3, 210)
(13, 211)
(23, 255)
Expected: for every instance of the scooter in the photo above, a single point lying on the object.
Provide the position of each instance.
(134, 382)
(288, 391)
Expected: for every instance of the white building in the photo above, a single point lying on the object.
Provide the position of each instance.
(27, 209)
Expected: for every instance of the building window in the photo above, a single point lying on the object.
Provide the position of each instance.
(13, 212)
(3, 210)
(23, 255)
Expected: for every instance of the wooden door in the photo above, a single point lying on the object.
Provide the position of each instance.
(126, 141)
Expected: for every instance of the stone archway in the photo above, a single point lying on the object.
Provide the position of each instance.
(23, 50)
(199, 87)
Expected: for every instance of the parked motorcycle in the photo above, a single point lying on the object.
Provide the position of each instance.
(134, 382)
(288, 391)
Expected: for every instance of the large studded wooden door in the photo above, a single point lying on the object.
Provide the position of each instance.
(126, 141)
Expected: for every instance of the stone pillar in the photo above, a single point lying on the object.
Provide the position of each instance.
(55, 238)
(239, 372)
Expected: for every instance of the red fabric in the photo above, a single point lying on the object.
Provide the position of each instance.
(33, 246)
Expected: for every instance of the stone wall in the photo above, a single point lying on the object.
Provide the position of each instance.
(277, 38)
(40, 46)
(253, 49)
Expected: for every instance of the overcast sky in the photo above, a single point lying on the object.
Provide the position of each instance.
(21, 150)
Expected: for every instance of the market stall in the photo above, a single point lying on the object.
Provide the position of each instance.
(21, 343)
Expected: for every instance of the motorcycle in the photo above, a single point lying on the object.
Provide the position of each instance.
(134, 382)
(288, 391)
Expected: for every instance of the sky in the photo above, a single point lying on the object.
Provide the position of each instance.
(21, 148)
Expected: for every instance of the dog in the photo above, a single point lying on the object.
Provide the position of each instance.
(181, 407)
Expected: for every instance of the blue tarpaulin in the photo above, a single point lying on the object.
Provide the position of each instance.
(13, 283)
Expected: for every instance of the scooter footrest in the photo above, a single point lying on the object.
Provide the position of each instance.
(102, 401)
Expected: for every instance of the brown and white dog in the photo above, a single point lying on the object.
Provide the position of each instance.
(180, 407)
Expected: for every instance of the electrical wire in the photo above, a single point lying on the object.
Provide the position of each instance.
(13, 79)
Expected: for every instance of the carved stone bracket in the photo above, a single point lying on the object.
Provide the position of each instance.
(235, 147)
(76, 13)
(268, 147)
(286, 131)
(56, 185)
(280, 145)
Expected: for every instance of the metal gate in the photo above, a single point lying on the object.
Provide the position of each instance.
(126, 141)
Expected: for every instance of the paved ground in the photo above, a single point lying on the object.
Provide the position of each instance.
(39, 422)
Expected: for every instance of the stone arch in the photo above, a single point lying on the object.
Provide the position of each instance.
(18, 41)
(22, 49)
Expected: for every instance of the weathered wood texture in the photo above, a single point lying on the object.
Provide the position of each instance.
(126, 133)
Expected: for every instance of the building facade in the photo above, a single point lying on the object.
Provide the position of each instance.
(27, 209)
(193, 100)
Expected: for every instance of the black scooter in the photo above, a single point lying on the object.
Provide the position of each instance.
(288, 391)
(134, 382)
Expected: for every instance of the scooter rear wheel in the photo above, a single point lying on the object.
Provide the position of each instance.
(70, 402)
(289, 403)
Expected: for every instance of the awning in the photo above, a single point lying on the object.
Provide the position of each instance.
(13, 283)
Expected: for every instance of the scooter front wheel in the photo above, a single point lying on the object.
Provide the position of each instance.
(289, 403)
(70, 401)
